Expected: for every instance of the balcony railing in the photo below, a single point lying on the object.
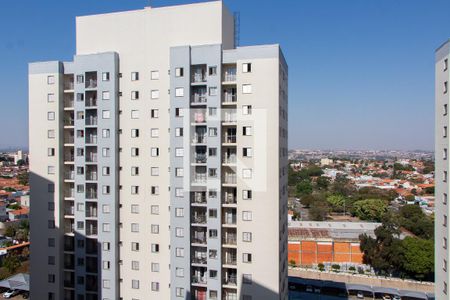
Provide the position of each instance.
(69, 227)
(229, 75)
(91, 120)
(69, 175)
(91, 83)
(91, 176)
(91, 194)
(229, 98)
(68, 85)
(199, 259)
(230, 178)
(91, 230)
(91, 213)
(199, 240)
(69, 139)
(199, 117)
(229, 199)
(229, 159)
(199, 219)
(199, 198)
(230, 280)
(69, 122)
(199, 139)
(199, 98)
(68, 103)
(229, 139)
(230, 259)
(230, 295)
(91, 102)
(91, 157)
(199, 77)
(200, 158)
(69, 157)
(69, 193)
(229, 239)
(199, 178)
(69, 211)
(91, 139)
(199, 279)
(229, 219)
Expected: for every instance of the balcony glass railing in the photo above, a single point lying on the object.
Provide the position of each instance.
(91, 230)
(199, 240)
(230, 280)
(229, 219)
(69, 157)
(229, 239)
(69, 139)
(199, 98)
(91, 157)
(69, 211)
(229, 159)
(230, 296)
(69, 193)
(91, 83)
(199, 259)
(229, 98)
(199, 279)
(199, 76)
(199, 139)
(199, 117)
(68, 85)
(199, 219)
(229, 75)
(68, 103)
(91, 102)
(91, 194)
(91, 139)
(199, 178)
(91, 120)
(69, 122)
(199, 198)
(230, 178)
(230, 259)
(91, 176)
(91, 213)
(229, 139)
(200, 158)
(69, 175)
(229, 199)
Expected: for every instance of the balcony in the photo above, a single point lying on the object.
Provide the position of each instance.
(229, 295)
(229, 218)
(91, 264)
(69, 121)
(199, 275)
(91, 120)
(69, 243)
(229, 257)
(69, 157)
(91, 157)
(91, 176)
(229, 117)
(69, 139)
(199, 219)
(198, 198)
(199, 257)
(200, 157)
(229, 238)
(69, 279)
(229, 74)
(91, 139)
(91, 99)
(69, 261)
(229, 96)
(198, 236)
(199, 178)
(229, 178)
(199, 138)
(198, 98)
(229, 198)
(229, 158)
(230, 279)
(91, 228)
(91, 194)
(199, 117)
(68, 101)
(92, 283)
(69, 175)
(91, 210)
(69, 209)
(198, 74)
(91, 80)
(229, 138)
(69, 226)
(68, 82)
(69, 193)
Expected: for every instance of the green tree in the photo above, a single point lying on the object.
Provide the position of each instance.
(20, 162)
(370, 209)
(11, 262)
(319, 211)
(337, 202)
(322, 182)
(412, 218)
(307, 200)
(418, 257)
(303, 188)
(10, 231)
(23, 178)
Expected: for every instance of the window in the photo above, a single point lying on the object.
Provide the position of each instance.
(80, 206)
(154, 94)
(179, 131)
(213, 233)
(179, 112)
(444, 177)
(444, 265)
(50, 170)
(445, 110)
(247, 130)
(50, 206)
(178, 192)
(213, 294)
(246, 236)
(213, 254)
(246, 257)
(155, 248)
(212, 172)
(106, 114)
(106, 265)
(444, 243)
(154, 171)
(134, 151)
(212, 194)
(212, 273)
(51, 224)
(106, 133)
(154, 209)
(212, 131)
(154, 113)
(246, 67)
(106, 246)
(154, 75)
(247, 216)
(179, 252)
(213, 91)
(212, 151)
(155, 228)
(51, 242)
(179, 272)
(51, 188)
(50, 98)
(155, 190)
(247, 152)
(179, 292)
(80, 188)
(445, 221)
(106, 152)
(134, 171)
(134, 227)
(445, 288)
(212, 71)
(135, 114)
(444, 200)
(179, 152)
(51, 116)
(106, 227)
(134, 246)
(134, 133)
(445, 87)
(80, 97)
(247, 278)
(445, 64)
(246, 109)
(80, 225)
(135, 284)
(179, 172)
(155, 267)
(212, 111)
(134, 76)
(80, 79)
(155, 286)
(444, 131)
(105, 171)
(134, 208)
(51, 278)
(134, 265)
(106, 189)
(80, 115)
(213, 213)
(80, 151)
(179, 232)
(50, 79)
(51, 260)
(179, 72)
(179, 212)
(105, 95)
(134, 95)
(246, 173)
(154, 133)
(134, 189)
(179, 92)
(444, 154)
(50, 151)
(105, 76)
(154, 152)
(246, 89)
(247, 194)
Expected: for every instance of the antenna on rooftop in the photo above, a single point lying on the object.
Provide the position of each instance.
(237, 28)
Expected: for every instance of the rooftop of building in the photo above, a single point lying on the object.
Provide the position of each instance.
(314, 230)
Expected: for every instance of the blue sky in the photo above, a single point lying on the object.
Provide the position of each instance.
(361, 73)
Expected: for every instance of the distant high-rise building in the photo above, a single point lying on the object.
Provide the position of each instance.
(442, 232)
(18, 156)
(159, 161)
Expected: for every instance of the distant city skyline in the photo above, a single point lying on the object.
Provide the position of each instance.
(361, 73)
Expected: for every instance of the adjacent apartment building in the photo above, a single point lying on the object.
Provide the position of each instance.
(159, 161)
(442, 232)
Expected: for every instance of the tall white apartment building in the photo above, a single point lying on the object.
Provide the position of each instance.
(442, 146)
(159, 161)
